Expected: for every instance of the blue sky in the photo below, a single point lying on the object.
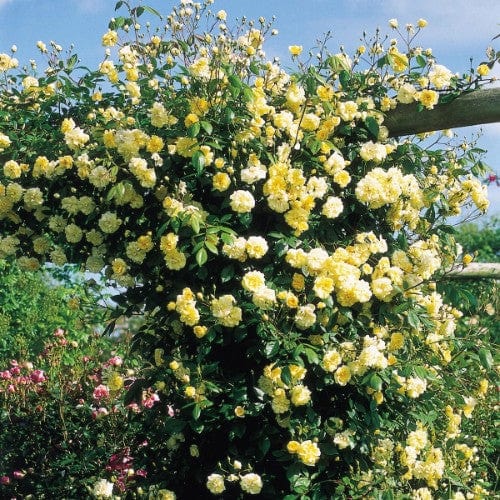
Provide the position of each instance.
(458, 30)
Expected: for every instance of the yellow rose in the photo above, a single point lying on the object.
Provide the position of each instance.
(293, 446)
(190, 391)
(242, 201)
(110, 38)
(200, 331)
(483, 70)
(295, 50)
(239, 411)
(221, 181)
(309, 452)
(300, 395)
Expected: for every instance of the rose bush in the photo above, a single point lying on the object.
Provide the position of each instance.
(284, 249)
(65, 422)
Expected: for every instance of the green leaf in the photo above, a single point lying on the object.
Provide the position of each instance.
(259, 393)
(207, 127)
(383, 61)
(198, 162)
(211, 247)
(344, 78)
(312, 356)
(194, 222)
(375, 382)
(227, 273)
(70, 64)
(119, 22)
(184, 46)
(421, 61)
(447, 229)
(234, 81)
(229, 115)
(271, 348)
(254, 68)
(388, 495)
(151, 10)
(486, 358)
(201, 257)
(286, 375)
(420, 372)
(338, 64)
(196, 411)
(372, 125)
(301, 484)
(446, 98)
(413, 319)
(194, 129)
(138, 11)
(314, 146)
(264, 445)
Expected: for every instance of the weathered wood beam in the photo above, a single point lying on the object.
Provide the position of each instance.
(474, 108)
(476, 270)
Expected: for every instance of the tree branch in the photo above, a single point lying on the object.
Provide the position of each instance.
(474, 108)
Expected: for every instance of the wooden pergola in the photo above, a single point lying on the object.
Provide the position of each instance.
(477, 107)
(474, 108)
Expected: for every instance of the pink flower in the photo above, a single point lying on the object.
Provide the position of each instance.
(134, 407)
(148, 399)
(99, 413)
(4, 480)
(38, 376)
(15, 370)
(58, 332)
(18, 474)
(100, 392)
(115, 361)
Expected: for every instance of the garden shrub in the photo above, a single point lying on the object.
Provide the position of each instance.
(481, 240)
(34, 304)
(285, 249)
(64, 419)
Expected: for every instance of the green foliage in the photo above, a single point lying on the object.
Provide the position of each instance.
(483, 240)
(34, 304)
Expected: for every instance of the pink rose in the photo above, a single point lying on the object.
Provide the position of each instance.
(38, 376)
(115, 361)
(100, 392)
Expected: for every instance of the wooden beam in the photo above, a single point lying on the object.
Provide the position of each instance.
(474, 108)
(476, 270)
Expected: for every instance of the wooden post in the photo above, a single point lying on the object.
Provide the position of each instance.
(473, 108)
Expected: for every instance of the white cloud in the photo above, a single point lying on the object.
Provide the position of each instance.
(89, 5)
